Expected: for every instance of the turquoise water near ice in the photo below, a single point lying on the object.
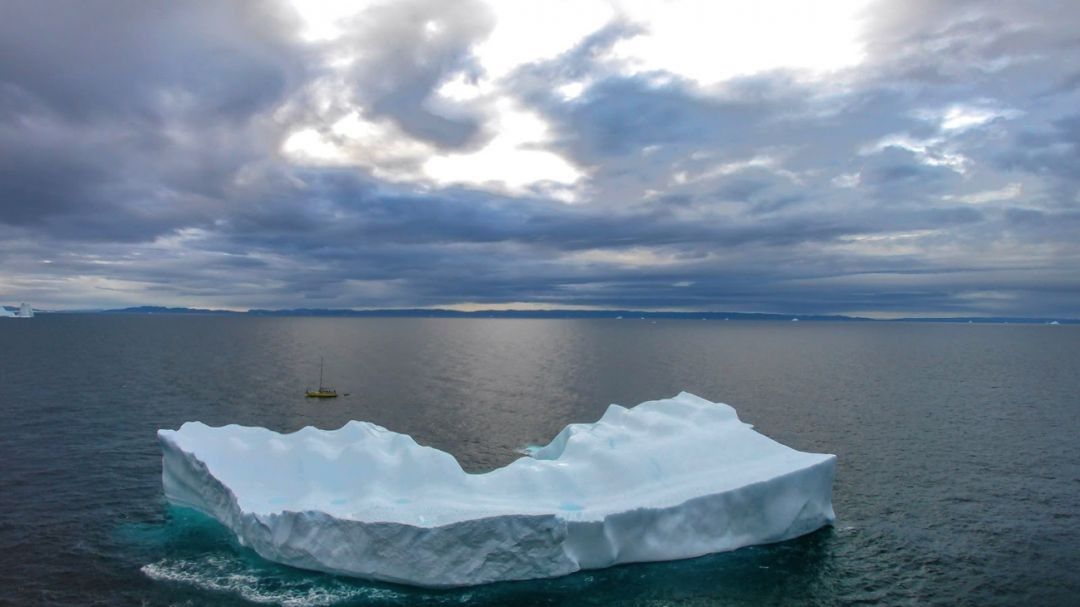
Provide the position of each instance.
(958, 476)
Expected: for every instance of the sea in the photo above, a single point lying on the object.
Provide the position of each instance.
(958, 445)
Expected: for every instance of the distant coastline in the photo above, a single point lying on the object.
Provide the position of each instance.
(556, 313)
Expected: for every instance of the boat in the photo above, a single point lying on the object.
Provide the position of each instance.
(323, 391)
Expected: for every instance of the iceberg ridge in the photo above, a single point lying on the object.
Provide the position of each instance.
(667, 479)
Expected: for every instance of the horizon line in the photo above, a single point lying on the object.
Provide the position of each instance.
(540, 312)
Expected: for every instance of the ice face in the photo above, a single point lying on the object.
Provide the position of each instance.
(667, 479)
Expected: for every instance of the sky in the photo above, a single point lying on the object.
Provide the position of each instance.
(873, 158)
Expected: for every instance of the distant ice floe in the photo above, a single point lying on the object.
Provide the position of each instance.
(667, 479)
(25, 311)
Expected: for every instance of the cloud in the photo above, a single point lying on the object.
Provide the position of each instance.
(147, 61)
(1008, 192)
(231, 155)
(400, 53)
(138, 125)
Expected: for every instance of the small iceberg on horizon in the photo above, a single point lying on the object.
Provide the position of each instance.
(667, 479)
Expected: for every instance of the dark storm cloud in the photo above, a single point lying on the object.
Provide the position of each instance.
(462, 246)
(940, 41)
(139, 163)
(1054, 152)
(406, 49)
(143, 60)
(618, 115)
(123, 120)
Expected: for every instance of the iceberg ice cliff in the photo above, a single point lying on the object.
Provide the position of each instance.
(667, 479)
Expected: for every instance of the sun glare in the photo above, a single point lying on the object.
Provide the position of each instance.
(513, 159)
(709, 42)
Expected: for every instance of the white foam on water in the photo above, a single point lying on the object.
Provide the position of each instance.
(227, 575)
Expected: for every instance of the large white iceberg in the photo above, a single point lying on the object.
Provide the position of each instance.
(667, 479)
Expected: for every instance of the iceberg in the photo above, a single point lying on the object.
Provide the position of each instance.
(667, 479)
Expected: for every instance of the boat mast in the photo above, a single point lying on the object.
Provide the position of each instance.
(320, 373)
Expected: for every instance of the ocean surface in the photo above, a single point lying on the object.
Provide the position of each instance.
(958, 479)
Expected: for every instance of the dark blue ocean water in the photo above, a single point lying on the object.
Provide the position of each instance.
(959, 448)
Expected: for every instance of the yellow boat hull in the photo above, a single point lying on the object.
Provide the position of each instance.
(321, 393)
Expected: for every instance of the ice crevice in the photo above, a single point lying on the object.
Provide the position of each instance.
(667, 479)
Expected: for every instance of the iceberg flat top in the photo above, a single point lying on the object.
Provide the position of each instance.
(666, 479)
(660, 453)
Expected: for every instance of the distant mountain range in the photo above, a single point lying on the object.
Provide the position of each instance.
(612, 314)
